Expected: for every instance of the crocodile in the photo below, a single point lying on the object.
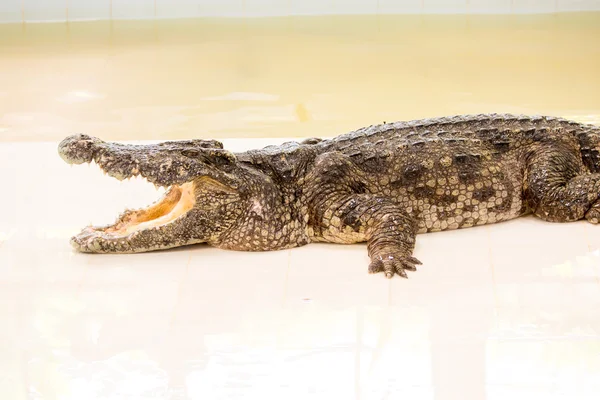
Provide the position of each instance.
(381, 184)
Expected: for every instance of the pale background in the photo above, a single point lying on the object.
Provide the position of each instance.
(506, 311)
(61, 10)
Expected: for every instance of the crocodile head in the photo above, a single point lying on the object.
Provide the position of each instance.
(208, 193)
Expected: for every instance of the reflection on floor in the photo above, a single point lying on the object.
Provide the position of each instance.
(293, 76)
(504, 311)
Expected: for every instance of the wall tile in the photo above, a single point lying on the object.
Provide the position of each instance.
(178, 8)
(356, 6)
(58, 10)
(400, 7)
(10, 11)
(445, 6)
(534, 6)
(489, 6)
(208, 8)
(578, 5)
(133, 9)
(344, 7)
(88, 9)
(224, 8)
(299, 7)
(266, 8)
(44, 10)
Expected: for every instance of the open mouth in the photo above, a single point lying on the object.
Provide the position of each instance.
(177, 201)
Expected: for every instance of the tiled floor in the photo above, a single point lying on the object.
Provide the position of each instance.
(510, 311)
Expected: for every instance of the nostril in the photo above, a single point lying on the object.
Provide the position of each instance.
(77, 149)
(80, 137)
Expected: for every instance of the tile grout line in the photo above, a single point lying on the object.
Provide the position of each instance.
(285, 281)
(589, 246)
(492, 270)
(81, 282)
(389, 299)
(283, 300)
(179, 293)
(359, 338)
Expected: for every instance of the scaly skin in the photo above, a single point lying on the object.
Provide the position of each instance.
(381, 184)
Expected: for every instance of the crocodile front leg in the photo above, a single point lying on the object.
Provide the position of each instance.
(340, 213)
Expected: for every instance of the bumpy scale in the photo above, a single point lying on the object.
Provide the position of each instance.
(381, 184)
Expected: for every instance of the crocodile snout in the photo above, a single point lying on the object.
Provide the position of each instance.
(78, 149)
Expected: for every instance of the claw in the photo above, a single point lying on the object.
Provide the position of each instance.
(376, 266)
(407, 265)
(413, 260)
(392, 263)
(389, 268)
(400, 270)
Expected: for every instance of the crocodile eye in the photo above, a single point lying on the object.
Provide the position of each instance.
(211, 144)
(222, 160)
(191, 153)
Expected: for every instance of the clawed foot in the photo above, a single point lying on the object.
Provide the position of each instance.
(593, 214)
(393, 263)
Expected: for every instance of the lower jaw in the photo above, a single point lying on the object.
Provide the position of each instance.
(115, 247)
(141, 230)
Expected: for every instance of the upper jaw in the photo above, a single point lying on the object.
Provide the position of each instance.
(164, 164)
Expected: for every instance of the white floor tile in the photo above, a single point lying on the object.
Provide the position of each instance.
(509, 310)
